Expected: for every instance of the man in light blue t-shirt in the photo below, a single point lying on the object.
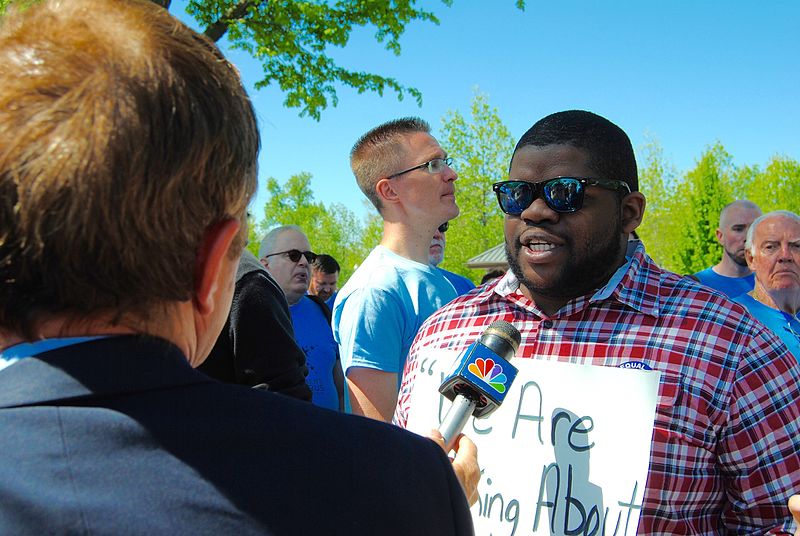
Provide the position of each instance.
(773, 252)
(404, 172)
(731, 275)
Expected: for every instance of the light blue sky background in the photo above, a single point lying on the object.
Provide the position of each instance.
(686, 73)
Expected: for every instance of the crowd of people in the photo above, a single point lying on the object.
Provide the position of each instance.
(156, 377)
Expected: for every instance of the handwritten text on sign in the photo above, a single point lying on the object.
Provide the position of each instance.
(566, 454)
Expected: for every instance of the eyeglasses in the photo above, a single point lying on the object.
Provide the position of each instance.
(437, 165)
(295, 254)
(444, 227)
(561, 194)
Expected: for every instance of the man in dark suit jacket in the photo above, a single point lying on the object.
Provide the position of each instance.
(128, 154)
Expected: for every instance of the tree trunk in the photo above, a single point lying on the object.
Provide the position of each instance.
(216, 30)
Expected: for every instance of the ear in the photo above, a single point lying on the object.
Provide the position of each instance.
(387, 192)
(264, 262)
(749, 258)
(719, 235)
(632, 211)
(211, 257)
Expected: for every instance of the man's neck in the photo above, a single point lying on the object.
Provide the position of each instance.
(407, 241)
(59, 329)
(786, 300)
(729, 268)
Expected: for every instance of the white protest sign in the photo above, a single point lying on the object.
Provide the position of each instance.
(567, 453)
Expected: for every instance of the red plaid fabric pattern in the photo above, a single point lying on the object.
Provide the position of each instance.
(725, 454)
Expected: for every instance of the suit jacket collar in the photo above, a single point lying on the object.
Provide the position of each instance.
(108, 366)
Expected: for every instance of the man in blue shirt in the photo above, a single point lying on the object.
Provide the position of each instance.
(731, 275)
(773, 252)
(286, 254)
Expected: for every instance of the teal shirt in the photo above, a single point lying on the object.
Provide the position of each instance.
(784, 325)
(378, 312)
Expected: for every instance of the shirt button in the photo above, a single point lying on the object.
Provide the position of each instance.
(548, 324)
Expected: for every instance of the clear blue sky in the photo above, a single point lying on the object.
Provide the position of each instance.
(687, 73)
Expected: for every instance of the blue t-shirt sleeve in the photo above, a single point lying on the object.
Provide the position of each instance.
(371, 331)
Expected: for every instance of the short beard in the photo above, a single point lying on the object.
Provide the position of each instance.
(740, 261)
(577, 278)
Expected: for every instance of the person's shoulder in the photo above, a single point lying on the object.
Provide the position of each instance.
(383, 273)
(478, 302)
(462, 284)
(678, 290)
(305, 421)
(705, 273)
(682, 296)
(317, 306)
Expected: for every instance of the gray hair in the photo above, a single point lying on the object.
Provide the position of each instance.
(748, 241)
(268, 242)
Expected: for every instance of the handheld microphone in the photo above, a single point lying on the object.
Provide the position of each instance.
(481, 379)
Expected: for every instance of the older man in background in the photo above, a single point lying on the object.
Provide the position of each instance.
(257, 346)
(773, 253)
(286, 254)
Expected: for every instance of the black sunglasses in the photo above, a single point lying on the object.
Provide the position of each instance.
(561, 194)
(444, 227)
(295, 254)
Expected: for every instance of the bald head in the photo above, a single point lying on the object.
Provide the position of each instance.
(734, 220)
(732, 211)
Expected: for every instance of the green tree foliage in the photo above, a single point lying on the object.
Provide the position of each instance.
(661, 224)
(481, 147)
(331, 229)
(291, 39)
(702, 194)
(253, 236)
(682, 214)
(373, 228)
(777, 187)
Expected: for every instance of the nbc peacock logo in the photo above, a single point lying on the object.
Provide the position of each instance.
(490, 372)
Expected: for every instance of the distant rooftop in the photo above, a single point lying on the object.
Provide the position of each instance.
(490, 259)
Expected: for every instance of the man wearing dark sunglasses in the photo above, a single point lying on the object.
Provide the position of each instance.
(580, 292)
(404, 172)
(286, 254)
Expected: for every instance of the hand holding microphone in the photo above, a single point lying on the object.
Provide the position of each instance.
(481, 380)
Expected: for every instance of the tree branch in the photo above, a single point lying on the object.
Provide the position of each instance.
(217, 29)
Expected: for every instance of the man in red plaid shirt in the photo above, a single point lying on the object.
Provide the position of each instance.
(725, 453)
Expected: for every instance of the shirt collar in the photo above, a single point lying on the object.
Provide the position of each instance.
(634, 284)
